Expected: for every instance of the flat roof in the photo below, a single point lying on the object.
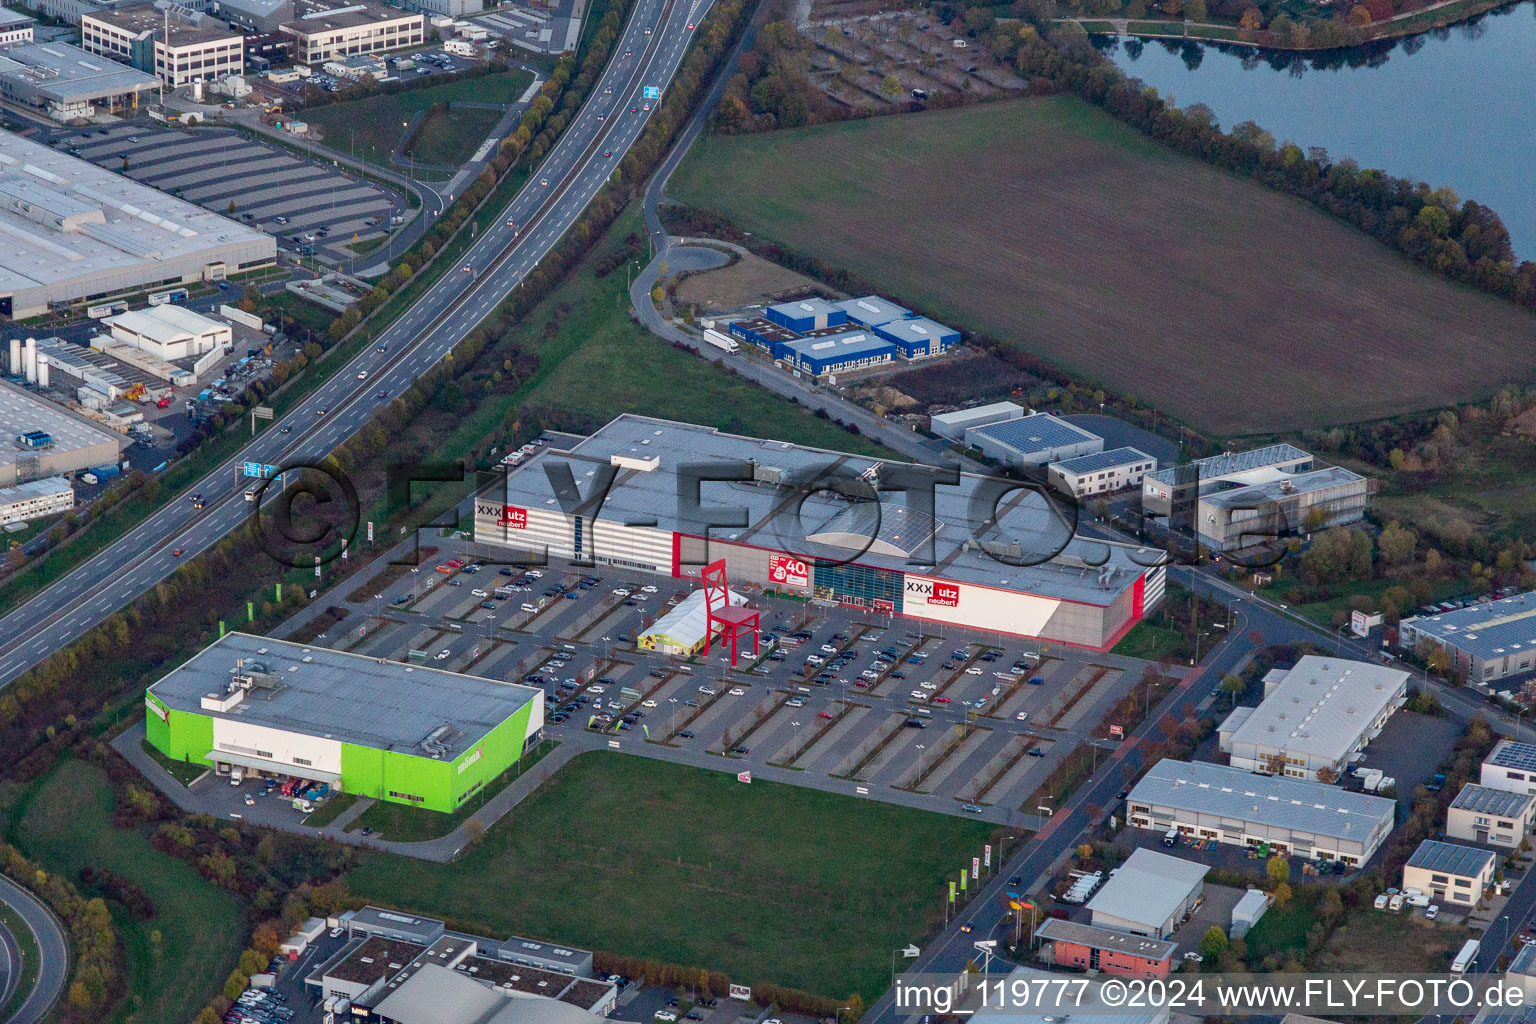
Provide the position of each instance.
(1487, 800)
(375, 958)
(166, 324)
(1075, 572)
(14, 19)
(1273, 800)
(1036, 432)
(1229, 463)
(130, 226)
(44, 488)
(1113, 458)
(842, 345)
(977, 412)
(872, 310)
(1289, 485)
(62, 72)
(805, 307)
(1451, 858)
(1107, 939)
(1322, 706)
(769, 330)
(365, 701)
(186, 26)
(401, 923)
(1149, 888)
(917, 330)
(324, 15)
(22, 411)
(1492, 630)
(1512, 754)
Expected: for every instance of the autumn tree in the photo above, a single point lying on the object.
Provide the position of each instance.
(1278, 869)
(1251, 20)
(1213, 943)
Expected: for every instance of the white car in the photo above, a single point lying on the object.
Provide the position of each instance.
(1022, 716)
(534, 574)
(647, 590)
(828, 649)
(362, 374)
(648, 704)
(479, 593)
(737, 691)
(596, 690)
(1432, 911)
(708, 691)
(869, 674)
(929, 686)
(919, 695)
(666, 1015)
(973, 671)
(620, 591)
(442, 655)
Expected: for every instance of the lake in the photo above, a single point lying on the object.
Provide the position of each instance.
(1453, 107)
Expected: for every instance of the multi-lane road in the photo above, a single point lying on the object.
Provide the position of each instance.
(53, 954)
(647, 55)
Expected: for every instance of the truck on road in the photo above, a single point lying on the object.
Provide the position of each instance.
(1464, 959)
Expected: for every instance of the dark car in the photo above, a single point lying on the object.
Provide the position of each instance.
(686, 734)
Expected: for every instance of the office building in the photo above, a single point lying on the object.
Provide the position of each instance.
(1149, 894)
(1448, 873)
(323, 30)
(1483, 642)
(1493, 817)
(177, 45)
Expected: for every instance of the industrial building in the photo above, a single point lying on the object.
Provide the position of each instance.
(1484, 642)
(1102, 949)
(1149, 894)
(170, 332)
(1173, 490)
(872, 311)
(176, 44)
(681, 631)
(1510, 765)
(1232, 806)
(1032, 441)
(1315, 717)
(15, 27)
(1241, 517)
(918, 337)
(1089, 476)
(1494, 817)
(952, 425)
(807, 315)
(258, 16)
(402, 733)
(1448, 873)
(34, 499)
(1247, 912)
(1012, 571)
(399, 968)
(323, 30)
(837, 353)
(77, 231)
(40, 439)
(64, 83)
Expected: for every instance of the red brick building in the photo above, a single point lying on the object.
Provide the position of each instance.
(1100, 949)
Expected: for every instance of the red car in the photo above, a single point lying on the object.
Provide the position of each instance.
(456, 563)
(177, 552)
(861, 684)
(941, 700)
(444, 568)
(823, 714)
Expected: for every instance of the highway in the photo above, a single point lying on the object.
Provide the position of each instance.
(54, 953)
(647, 54)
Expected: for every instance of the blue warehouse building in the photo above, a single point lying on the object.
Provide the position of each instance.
(919, 337)
(836, 353)
(872, 311)
(762, 332)
(807, 315)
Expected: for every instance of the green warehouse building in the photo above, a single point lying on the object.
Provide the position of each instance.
(406, 733)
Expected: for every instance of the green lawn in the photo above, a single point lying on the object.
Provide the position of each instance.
(767, 882)
(451, 137)
(406, 824)
(1149, 641)
(371, 127)
(30, 960)
(597, 362)
(67, 825)
(330, 808)
(184, 772)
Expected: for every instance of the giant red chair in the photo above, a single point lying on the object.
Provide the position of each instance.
(734, 620)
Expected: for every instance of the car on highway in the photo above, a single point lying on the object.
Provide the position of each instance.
(381, 395)
(177, 552)
(362, 374)
(690, 29)
(646, 107)
(606, 153)
(634, 110)
(544, 182)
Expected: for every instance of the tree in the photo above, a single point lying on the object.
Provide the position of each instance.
(1359, 16)
(1213, 943)
(1251, 20)
(1232, 685)
(1194, 10)
(890, 87)
(1278, 869)
(1327, 776)
(231, 208)
(1282, 894)
(1397, 544)
(1332, 906)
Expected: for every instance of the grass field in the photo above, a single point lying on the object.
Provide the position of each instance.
(373, 126)
(1048, 224)
(401, 823)
(595, 361)
(67, 825)
(451, 137)
(642, 857)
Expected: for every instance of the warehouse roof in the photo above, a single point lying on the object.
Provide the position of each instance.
(842, 346)
(133, 224)
(1273, 800)
(1037, 432)
(1286, 486)
(1490, 630)
(1022, 529)
(994, 411)
(1229, 463)
(1322, 706)
(805, 307)
(61, 72)
(1097, 462)
(872, 310)
(1108, 939)
(1487, 800)
(44, 488)
(366, 701)
(1467, 861)
(146, 20)
(1512, 754)
(917, 330)
(1149, 888)
(438, 995)
(13, 19)
(21, 411)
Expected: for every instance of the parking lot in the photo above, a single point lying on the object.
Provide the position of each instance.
(840, 698)
(311, 207)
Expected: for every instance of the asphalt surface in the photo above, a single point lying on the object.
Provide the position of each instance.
(54, 968)
(554, 198)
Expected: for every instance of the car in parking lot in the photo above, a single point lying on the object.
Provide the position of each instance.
(970, 808)
(1036, 752)
(442, 655)
(941, 700)
(823, 714)
(648, 704)
(708, 691)
(686, 734)
(973, 671)
(1022, 716)
(919, 695)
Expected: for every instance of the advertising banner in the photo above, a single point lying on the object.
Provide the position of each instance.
(788, 571)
